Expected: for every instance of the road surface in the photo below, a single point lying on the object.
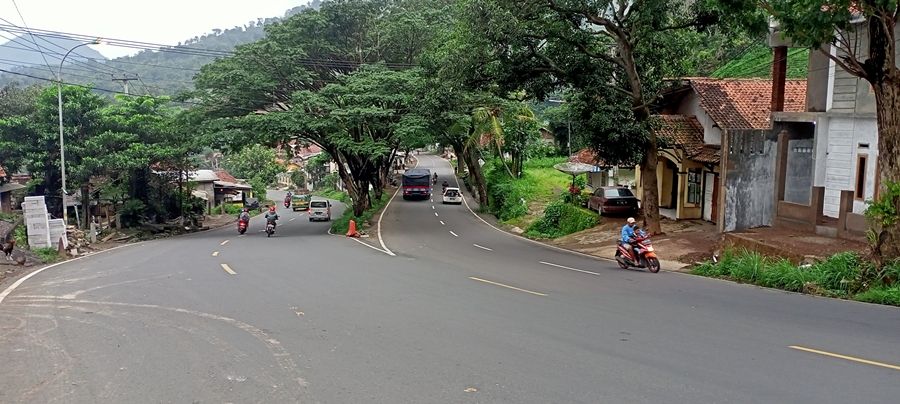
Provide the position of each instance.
(460, 313)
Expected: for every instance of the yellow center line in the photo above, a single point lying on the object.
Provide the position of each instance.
(215, 254)
(506, 286)
(845, 357)
(225, 242)
(228, 269)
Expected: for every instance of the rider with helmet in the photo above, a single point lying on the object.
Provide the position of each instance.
(628, 235)
(272, 216)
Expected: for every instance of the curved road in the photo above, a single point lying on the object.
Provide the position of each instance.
(461, 313)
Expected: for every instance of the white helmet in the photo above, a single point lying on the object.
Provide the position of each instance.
(631, 220)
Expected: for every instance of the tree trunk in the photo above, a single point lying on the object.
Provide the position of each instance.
(887, 96)
(476, 176)
(85, 206)
(458, 150)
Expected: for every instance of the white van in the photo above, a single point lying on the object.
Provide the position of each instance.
(319, 209)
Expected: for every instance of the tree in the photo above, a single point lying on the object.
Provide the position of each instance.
(864, 35)
(256, 163)
(617, 54)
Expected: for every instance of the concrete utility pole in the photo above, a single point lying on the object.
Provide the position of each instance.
(125, 80)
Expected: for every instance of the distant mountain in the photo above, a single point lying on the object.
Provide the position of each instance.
(150, 71)
(22, 50)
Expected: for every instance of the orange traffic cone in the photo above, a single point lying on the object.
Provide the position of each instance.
(351, 232)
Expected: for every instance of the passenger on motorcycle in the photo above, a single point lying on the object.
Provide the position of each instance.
(272, 216)
(628, 235)
(244, 216)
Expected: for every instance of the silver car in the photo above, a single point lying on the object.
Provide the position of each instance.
(319, 209)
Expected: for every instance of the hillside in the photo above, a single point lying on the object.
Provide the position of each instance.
(153, 72)
(757, 63)
(20, 51)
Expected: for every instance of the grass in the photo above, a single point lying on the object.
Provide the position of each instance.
(47, 255)
(843, 275)
(334, 194)
(539, 185)
(560, 219)
(341, 224)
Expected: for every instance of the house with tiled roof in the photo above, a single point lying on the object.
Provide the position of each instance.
(693, 125)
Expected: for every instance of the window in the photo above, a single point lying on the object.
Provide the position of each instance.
(695, 191)
(618, 192)
(861, 176)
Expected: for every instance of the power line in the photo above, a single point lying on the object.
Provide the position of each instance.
(29, 33)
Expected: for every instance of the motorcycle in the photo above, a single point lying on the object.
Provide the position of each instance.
(646, 256)
(287, 203)
(242, 226)
(270, 228)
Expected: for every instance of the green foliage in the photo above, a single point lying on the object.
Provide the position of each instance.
(132, 212)
(255, 163)
(47, 255)
(885, 210)
(506, 195)
(843, 275)
(341, 224)
(561, 218)
(233, 209)
(335, 195)
(881, 295)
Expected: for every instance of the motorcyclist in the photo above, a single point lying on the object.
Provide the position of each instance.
(272, 216)
(628, 236)
(434, 179)
(445, 185)
(244, 216)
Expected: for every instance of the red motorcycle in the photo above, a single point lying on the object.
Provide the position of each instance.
(646, 256)
(287, 203)
(242, 226)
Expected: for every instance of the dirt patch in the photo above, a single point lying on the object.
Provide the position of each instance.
(685, 241)
(793, 245)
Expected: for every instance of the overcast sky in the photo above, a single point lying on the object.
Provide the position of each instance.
(158, 21)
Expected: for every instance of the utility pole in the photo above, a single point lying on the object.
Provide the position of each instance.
(125, 80)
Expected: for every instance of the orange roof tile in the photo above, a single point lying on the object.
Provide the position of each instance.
(686, 133)
(746, 103)
(587, 156)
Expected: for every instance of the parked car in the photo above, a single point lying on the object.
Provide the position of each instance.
(452, 195)
(319, 209)
(614, 200)
(252, 203)
(300, 202)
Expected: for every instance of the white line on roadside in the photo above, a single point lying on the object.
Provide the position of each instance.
(22, 280)
(292, 219)
(228, 269)
(454, 234)
(435, 214)
(506, 286)
(432, 207)
(215, 254)
(569, 268)
(442, 223)
(482, 247)
(224, 242)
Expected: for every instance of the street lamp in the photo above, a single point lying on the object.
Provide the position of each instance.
(62, 144)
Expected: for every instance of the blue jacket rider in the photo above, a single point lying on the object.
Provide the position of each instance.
(628, 234)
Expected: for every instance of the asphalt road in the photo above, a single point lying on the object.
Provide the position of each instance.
(460, 313)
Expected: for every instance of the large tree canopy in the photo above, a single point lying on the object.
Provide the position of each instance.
(613, 56)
